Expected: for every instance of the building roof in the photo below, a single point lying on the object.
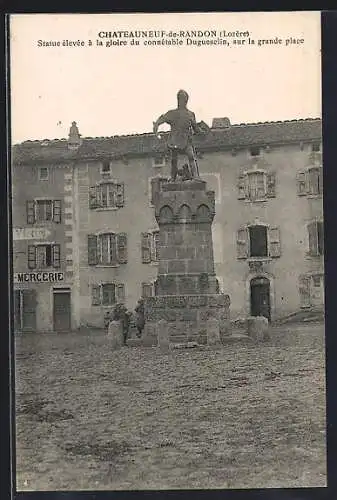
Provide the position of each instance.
(232, 137)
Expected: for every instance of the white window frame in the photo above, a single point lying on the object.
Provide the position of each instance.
(99, 184)
(43, 178)
(36, 201)
(152, 232)
(100, 249)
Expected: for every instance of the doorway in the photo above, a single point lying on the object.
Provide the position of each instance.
(25, 310)
(62, 310)
(260, 297)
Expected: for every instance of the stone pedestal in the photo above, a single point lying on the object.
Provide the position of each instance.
(116, 334)
(258, 328)
(186, 287)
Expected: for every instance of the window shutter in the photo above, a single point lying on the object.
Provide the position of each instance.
(313, 238)
(147, 290)
(30, 208)
(57, 211)
(241, 186)
(274, 242)
(92, 249)
(155, 186)
(120, 293)
(95, 295)
(320, 180)
(120, 195)
(56, 255)
(271, 184)
(93, 197)
(301, 183)
(304, 290)
(242, 243)
(31, 257)
(146, 248)
(122, 253)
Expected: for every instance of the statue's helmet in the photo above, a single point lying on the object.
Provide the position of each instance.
(182, 96)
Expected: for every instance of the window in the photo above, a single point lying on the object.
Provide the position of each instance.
(108, 249)
(43, 173)
(147, 290)
(255, 151)
(43, 211)
(107, 294)
(256, 185)
(156, 185)
(106, 195)
(316, 280)
(150, 247)
(43, 256)
(316, 238)
(258, 241)
(159, 161)
(105, 167)
(316, 147)
(310, 181)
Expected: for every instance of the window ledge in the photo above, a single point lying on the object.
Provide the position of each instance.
(314, 196)
(259, 259)
(107, 265)
(154, 263)
(105, 209)
(247, 200)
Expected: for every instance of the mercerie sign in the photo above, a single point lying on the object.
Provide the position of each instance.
(39, 277)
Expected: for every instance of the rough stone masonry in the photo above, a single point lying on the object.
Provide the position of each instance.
(187, 291)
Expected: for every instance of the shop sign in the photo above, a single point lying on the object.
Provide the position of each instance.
(30, 233)
(39, 277)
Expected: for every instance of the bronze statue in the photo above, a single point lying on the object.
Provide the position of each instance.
(183, 125)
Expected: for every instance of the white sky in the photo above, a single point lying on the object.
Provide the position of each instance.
(122, 90)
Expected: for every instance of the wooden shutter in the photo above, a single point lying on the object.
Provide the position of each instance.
(93, 197)
(313, 238)
(31, 257)
(271, 185)
(155, 187)
(120, 195)
(30, 209)
(274, 242)
(241, 187)
(92, 250)
(320, 180)
(122, 251)
(147, 290)
(242, 243)
(304, 290)
(120, 293)
(146, 247)
(56, 254)
(57, 211)
(301, 180)
(95, 295)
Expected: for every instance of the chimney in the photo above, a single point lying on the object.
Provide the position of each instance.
(74, 138)
(221, 123)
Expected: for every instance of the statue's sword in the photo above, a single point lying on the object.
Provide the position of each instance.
(194, 154)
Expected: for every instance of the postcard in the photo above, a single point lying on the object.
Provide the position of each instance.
(168, 251)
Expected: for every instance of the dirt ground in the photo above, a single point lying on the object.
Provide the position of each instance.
(89, 418)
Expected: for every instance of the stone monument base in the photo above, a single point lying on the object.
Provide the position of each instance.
(186, 316)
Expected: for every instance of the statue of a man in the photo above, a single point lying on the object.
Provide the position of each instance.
(183, 125)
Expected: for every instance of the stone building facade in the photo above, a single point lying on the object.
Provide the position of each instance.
(84, 209)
